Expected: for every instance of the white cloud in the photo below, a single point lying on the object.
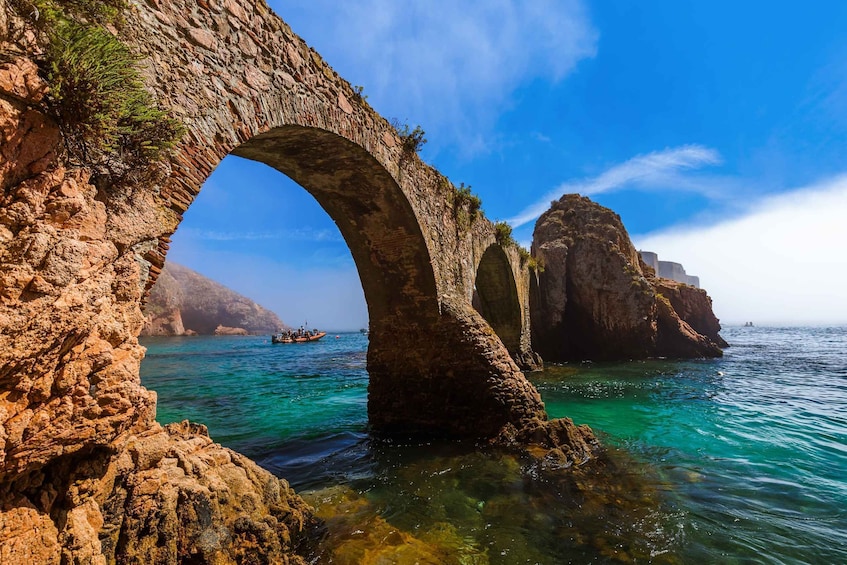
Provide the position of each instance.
(656, 169)
(449, 66)
(782, 263)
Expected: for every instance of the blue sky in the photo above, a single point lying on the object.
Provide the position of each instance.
(717, 130)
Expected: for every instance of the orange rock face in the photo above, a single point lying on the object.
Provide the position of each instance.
(58, 276)
(86, 475)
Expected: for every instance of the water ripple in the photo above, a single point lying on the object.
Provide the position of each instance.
(745, 457)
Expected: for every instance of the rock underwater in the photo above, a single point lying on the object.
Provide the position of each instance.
(597, 300)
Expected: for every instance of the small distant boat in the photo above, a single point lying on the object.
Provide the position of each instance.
(303, 336)
(748, 324)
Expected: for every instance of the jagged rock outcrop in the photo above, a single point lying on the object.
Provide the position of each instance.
(184, 301)
(164, 495)
(86, 475)
(597, 300)
(693, 305)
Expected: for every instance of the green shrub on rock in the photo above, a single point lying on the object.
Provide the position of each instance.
(97, 96)
(503, 234)
(466, 205)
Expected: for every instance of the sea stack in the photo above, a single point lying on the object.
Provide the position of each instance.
(597, 300)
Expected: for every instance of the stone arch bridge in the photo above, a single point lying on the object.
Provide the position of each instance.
(78, 258)
(243, 83)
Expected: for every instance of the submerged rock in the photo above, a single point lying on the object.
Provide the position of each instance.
(447, 505)
(596, 299)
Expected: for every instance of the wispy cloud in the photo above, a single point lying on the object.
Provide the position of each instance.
(450, 66)
(300, 234)
(783, 262)
(659, 168)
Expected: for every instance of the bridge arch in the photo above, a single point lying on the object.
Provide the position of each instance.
(242, 82)
(496, 297)
(434, 366)
(369, 208)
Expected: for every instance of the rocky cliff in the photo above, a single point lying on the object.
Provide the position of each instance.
(596, 299)
(184, 301)
(692, 305)
(86, 474)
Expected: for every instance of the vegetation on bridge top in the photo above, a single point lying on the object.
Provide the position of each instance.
(97, 94)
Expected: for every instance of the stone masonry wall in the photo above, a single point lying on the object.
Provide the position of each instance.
(86, 475)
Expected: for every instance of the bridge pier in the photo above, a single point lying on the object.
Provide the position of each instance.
(451, 377)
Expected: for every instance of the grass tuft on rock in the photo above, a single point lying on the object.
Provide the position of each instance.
(503, 234)
(99, 99)
(97, 96)
(466, 206)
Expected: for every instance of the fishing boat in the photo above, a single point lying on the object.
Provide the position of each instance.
(301, 336)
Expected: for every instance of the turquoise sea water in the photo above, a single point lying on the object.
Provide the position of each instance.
(736, 460)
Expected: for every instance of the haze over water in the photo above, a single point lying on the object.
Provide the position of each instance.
(735, 460)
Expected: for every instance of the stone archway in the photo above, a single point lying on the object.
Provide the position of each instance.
(496, 297)
(80, 258)
(418, 340)
(372, 213)
(85, 471)
(287, 108)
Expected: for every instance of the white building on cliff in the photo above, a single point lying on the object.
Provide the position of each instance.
(669, 269)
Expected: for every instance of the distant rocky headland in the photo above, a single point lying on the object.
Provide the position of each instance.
(184, 302)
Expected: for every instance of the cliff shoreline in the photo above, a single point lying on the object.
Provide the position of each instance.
(184, 302)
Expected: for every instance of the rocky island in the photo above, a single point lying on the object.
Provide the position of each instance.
(597, 299)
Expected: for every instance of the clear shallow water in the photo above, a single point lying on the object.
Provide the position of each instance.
(737, 460)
